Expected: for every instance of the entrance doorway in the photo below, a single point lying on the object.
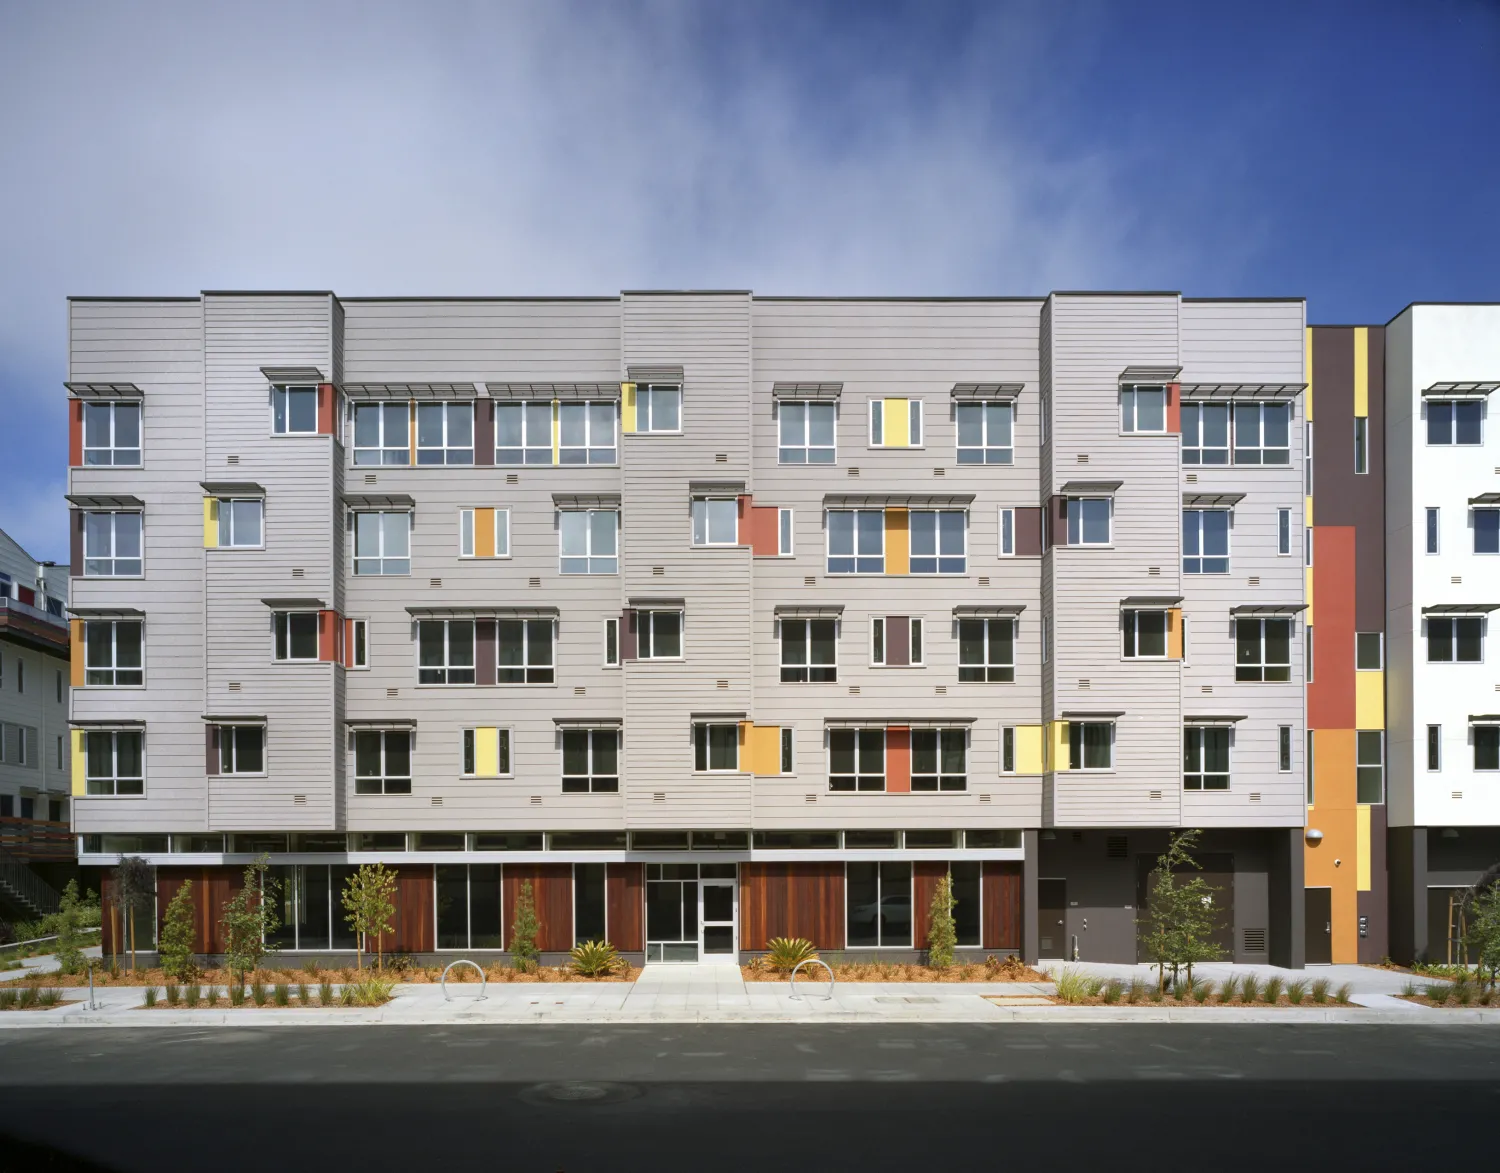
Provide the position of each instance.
(1052, 917)
(1319, 926)
(691, 912)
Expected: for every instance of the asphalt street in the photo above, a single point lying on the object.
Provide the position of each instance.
(748, 1097)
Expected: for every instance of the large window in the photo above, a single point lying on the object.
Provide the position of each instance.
(112, 652)
(240, 521)
(659, 635)
(111, 545)
(382, 433)
(468, 906)
(1205, 541)
(382, 761)
(112, 434)
(1486, 746)
(294, 411)
(242, 749)
(1369, 782)
(445, 651)
(715, 521)
(586, 433)
(716, 747)
(986, 433)
(523, 433)
(296, 635)
(1145, 634)
(1487, 531)
(1457, 639)
(445, 433)
(382, 543)
(591, 761)
(809, 651)
(856, 759)
(1091, 745)
(938, 541)
(1143, 409)
(588, 903)
(1088, 521)
(658, 408)
(1205, 433)
(524, 648)
(939, 759)
(878, 904)
(1262, 433)
(1263, 650)
(987, 650)
(1455, 422)
(114, 762)
(806, 432)
(1205, 759)
(856, 541)
(589, 541)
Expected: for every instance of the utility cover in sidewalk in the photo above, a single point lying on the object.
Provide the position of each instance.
(1018, 999)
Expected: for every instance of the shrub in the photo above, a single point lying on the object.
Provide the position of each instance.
(310, 967)
(1436, 993)
(236, 995)
(942, 933)
(7, 998)
(192, 995)
(367, 903)
(1271, 993)
(1137, 990)
(302, 993)
(1463, 993)
(174, 993)
(27, 998)
(1230, 989)
(51, 996)
(325, 993)
(1072, 985)
(249, 918)
(1096, 986)
(283, 995)
(594, 959)
(370, 991)
(1156, 993)
(1202, 991)
(1409, 989)
(524, 930)
(1112, 991)
(1249, 988)
(177, 935)
(258, 990)
(150, 997)
(1296, 991)
(1320, 991)
(784, 954)
(1181, 913)
(68, 925)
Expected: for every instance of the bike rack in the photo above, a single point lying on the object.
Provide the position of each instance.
(828, 997)
(483, 981)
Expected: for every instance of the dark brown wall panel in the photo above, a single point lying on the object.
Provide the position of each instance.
(1028, 531)
(1001, 905)
(624, 900)
(1369, 503)
(925, 876)
(792, 900)
(552, 892)
(1335, 487)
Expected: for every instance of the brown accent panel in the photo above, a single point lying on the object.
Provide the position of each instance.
(898, 760)
(628, 640)
(75, 543)
(1000, 901)
(925, 875)
(552, 892)
(76, 660)
(328, 636)
(624, 905)
(1330, 697)
(1335, 486)
(1174, 409)
(897, 641)
(792, 900)
(1369, 505)
(213, 887)
(75, 433)
(484, 432)
(1057, 515)
(326, 399)
(210, 749)
(484, 651)
(1029, 531)
(413, 929)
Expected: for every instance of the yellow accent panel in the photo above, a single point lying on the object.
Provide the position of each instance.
(487, 753)
(556, 431)
(1307, 515)
(897, 541)
(1307, 396)
(1059, 746)
(1362, 371)
(1174, 633)
(210, 523)
(1369, 700)
(80, 776)
(762, 748)
(484, 533)
(897, 423)
(627, 408)
(1307, 616)
(1029, 746)
(1362, 848)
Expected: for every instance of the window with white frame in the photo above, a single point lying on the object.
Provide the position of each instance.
(242, 749)
(114, 762)
(382, 543)
(1091, 745)
(1007, 533)
(1143, 408)
(445, 651)
(588, 541)
(716, 747)
(586, 433)
(524, 650)
(1486, 746)
(112, 652)
(878, 905)
(856, 541)
(1284, 748)
(1455, 639)
(788, 750)
(987, 650)
(1263, 650)
(896, 641)
(939, 759)
(1434, 747)
(1369, 651)
(294, 410)
(1145, 632)
(611, 643)
(382, 433)
(878, 423)
(1262, 433)
(487, 749)
(784, 532)
(658, 407)
(1455, 421)
(1283, 531)
(1432, 530)
(1089, 520)
(939, 541)
(359, 643)
(1487, 531)
(296, 635)
(382, 761)
(445, 433)
(1205, 433)
(591, 761)
(523, 433)
(805, 432)
(856, 759)
(658, 635)
(986, 433)
(112, 545)
(240, 521)
(484, 533)
(1361, 445)
(1205, 764)
(1008, 749)
(716, 521)
(809, 650)
(1369, 767)
(112, 434)
(1205, 541)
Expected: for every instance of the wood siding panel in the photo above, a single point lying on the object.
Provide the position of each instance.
(552, 892)
(413, 929)
(925, 876)
(624, 905)
(792, 900)
(1000, 900)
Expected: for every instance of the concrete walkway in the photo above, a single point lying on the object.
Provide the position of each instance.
(38, 966)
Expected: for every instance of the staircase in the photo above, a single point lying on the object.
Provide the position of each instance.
(23, 888)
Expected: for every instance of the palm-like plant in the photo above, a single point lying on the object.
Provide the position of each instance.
(784, 954)
(595, 959)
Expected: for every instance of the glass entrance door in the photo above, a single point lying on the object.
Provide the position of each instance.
(718, 921)
(691, 910)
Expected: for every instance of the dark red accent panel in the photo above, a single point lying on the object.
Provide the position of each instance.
(484, 651)
(624, 905)
(552, 892)
(75, 544)
(897, 641)
(412, 928)
(628, 635)
(210, 749)
(328, 636)
(484, 432)
(1029, 531)
(792, 900)
(326, 400)
(1174, 409)
(1330, 697)
(898, 760)
(1000, 900)
(1058, 521)
(925, 876)
(75, 433)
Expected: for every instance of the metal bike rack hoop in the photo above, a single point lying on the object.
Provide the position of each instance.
(483, 981)
(828, 997)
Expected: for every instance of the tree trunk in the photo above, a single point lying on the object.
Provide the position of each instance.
(130, 916)
(359, 950)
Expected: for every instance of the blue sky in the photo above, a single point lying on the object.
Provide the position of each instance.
(1345, 152)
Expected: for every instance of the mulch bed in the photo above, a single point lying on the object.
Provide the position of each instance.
(885, 972)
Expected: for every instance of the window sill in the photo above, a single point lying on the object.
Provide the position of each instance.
(233, 549)
(485, 557)
(895, 667)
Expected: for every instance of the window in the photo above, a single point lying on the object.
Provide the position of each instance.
(986, 433)
(1145, 634)
(856, 759)
(938, 541)
(523, 433)
(1090, 744)
(1310, 767)
(112, 652)
(1088, 521)
(809, 651)
(56, 805)
(486, 752)
(939, 759)
(1284, 748)
(445, 433)
(591, 761)
(1283, 531)
(716, 747)
(589, 541)
(586, 433)
(914, 423)
(294, 411)
(856, 541)
(659, 635)
(524, 650)
(240, 521)
(1262, 433)
(382, 762)
(716, 521)
(1307, 653)
(1007, 532)
(611, 643)
(112, 434)
(1456, 640)
(588, 903)
(1361, 445)
(1487, 531)
(382, 433)
(1205, 760)
(1205, 433)
(1307, 546)
(382, 543)
(484, 533)
(1450, 422)
(359, 643)
(784, 533)
(658, 408)
(1046, 638)
(59, 686)
(111, 545)
(878, 905)
(1369, 654)
(896, 641)
(1434, 747)
(445, 651)
(1008, 750)
(1369, 781)
(1432, 531)
(788, 751)
(296, 635)
(806, 432)
(987, 650)
(1486, 747)
(20, 675)
(242, 749)
(1143, 409)
(113, 762)
(468, 906)
(1205, 541)
(1263, 650)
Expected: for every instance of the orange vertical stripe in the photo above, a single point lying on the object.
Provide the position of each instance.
(328, 636)
(75, 433)
(898, 760)
(325, 408)
(1174, 408)
(75, 658)
(1330, 697)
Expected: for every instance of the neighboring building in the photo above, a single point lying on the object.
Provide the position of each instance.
(714, 617)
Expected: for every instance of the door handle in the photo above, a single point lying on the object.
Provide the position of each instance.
(1328, 926)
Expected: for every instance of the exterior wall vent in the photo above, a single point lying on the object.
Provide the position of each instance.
(941, 690)
(1457, 794)
(1154, 571)
(984, 798)
(853, 472)
(1116, 847)
(512, 478)
(940, 472)
(1191, 478)
(809, 799)
(437, 800)
(299, 800)
(1083, 458)
(580, 690)
(298, 572)
(1254, 940)
(1208, 690)
(812, 580)
(534, 580)
(1154, 795)
(1255, 796)
(370, 478)
(1255, 580)
(658, 796)
(721, 684)
(854, 690)
(236, 460)
(234, 686)
(658, 572)
(984, 580)
(434, 582)
(1085, 684)
(536, 800)
(721, 458)
(393, 692)
(1457, 579)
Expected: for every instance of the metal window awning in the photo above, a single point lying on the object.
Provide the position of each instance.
(896, 722)
(380, 501)
(1149, 374)
(657, 601)
(657, 373)
(588, 722)
(400, 391)
(1150, 600)
(569, 391)
(301, 602)
(726, 488)
(720, 715)
(105, 391)
(111, 723)
(1090, 714)
(996, 609)
(1212, 718)
(1484, 718)
(234, 718)
(1485, 499)
(233, 488)
(808, 610)
(1460, 608)
(480, 611)
(1241, 390)
(986, 391)
(586, 500)
(104, 501)
(107, 612)
(285, 375)
(1468, 390)
(1268, 608)
(817, 392)
(907, 500)
(1212, 498)
(1072, 488)
(381, 722)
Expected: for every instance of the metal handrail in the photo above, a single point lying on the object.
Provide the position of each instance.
(828, 997)
(27, 885)
(483, 981)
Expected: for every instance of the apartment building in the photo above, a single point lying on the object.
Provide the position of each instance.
(713, 617)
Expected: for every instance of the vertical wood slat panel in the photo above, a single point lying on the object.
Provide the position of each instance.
(551, 892)
(792, 900)
(624, 899)
(1001, 905)
(212, 889)
(412, 927)
(925, 875)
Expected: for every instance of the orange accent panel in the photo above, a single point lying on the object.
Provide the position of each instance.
(1335, 814)
(1330, 697)
(897, 541)
(75, 433)
(75, 656)
(325, 409)
(1174, 633)
(898, 760)
(328, 636)
(1174, 409)
(760, 528)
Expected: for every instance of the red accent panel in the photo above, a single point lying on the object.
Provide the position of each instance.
(1000, 901)
(1174, 408)
(792, 900)
(628, 636)
(897, 641)
(328, 636)
(26, 595)
(1330, 697)
(925, 873)
(412, 928)
(1029, 531)
(325, 409)
(210, 749)
(75, 433)
(1057, 517)
(625, 904)
(551, 892)
(898, 760)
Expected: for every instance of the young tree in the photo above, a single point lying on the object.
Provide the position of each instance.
(942, 933)
(135, 893)
(1181, 915)
(69, 920)
(368, 908)
(249, 918)
(524, 929)
(1482, 926)
(177, 936)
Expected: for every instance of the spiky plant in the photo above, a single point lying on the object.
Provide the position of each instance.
(1072, 985)
(1203, 990)
(1249, 988)
(594, 959)
(1320, 991)
(1296, 991)
(1272, 990)
(784, 954)
(1112, 991)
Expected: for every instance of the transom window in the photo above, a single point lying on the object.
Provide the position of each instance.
(114, 761)
(296, 635)
(856, 759)
(1205, 541)
(658, 408)
(445, 433)
(716, 521)
(382, 433)
(112, 545)
(1455, 639)
(586, 433)
(1205, 433)
(294, 410)
(939, 759)
(112, 652)
(382, 543)
(589, 540)
(659, 635)
(523, 433)
(1143, 409)
(445, 651)
(240, 521)
(1091, 745)
(1455, 421)
(382, 761)
(1145, 634)
(591, 761)
(525, 651)
(112, 434)
(1205, 758)
(1262, 433)
(1263, 650)
(1088, 521)
(987, 650)
(938, 541)
(986, 433)
(242, 749)
(806, 432)
(716, 747)
(809, 651)
(856, 541)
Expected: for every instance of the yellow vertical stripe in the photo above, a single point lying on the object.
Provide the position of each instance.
(210, 523)
(897, 424)
(484, 533)
(1307, 519)
(75, 653)
(1361, 371)
(1029, 758)
(80, 774)
(1369, 700)
(556, 430)
(627, 408)
(1362, 848)
(897, 541)
(486, 753)
(1307, 351)
(1059, 746)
